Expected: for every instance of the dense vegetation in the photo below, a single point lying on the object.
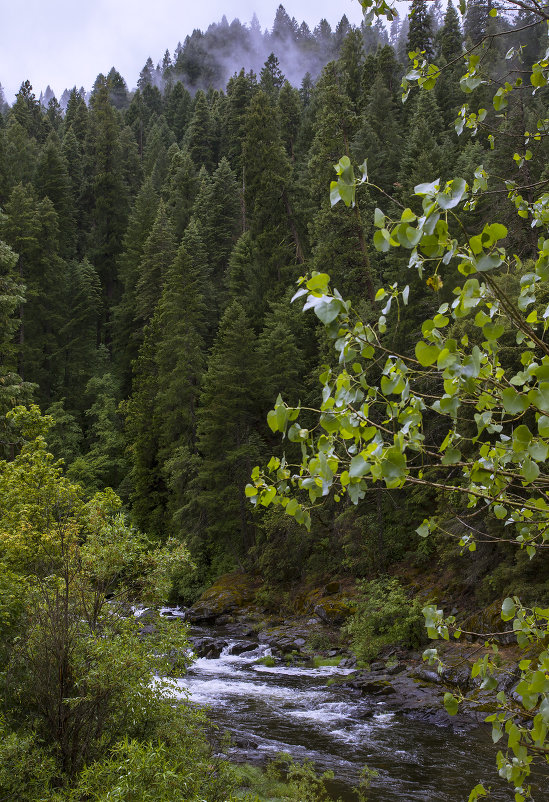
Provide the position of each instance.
(151, 241)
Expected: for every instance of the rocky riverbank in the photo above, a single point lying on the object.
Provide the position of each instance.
(313, 634)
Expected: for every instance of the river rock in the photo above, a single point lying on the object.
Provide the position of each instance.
(241, 646)
(230, 593)
(209, 647)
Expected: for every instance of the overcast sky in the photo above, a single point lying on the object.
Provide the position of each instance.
(68, 42)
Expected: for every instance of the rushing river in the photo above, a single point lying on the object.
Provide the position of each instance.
(292, 709)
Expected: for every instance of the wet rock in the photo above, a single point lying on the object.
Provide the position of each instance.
(299, 642)
(241, 646)
(398, 668)
(427, 675)
(377, 666)
(208, 647)
(228, 594)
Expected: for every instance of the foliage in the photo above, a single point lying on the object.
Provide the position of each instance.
(76, 663)
(488, 456)
(384, 616)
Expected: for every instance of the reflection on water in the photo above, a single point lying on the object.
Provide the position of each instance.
(292, 709)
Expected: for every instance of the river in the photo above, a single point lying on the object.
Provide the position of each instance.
(293, 709)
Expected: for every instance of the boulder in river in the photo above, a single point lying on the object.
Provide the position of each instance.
(230, 593)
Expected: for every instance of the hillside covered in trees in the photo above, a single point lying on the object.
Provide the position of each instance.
(151, 240)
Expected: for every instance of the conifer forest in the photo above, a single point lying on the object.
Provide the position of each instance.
(273, 331)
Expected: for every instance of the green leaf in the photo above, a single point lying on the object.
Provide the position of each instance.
(488, 262)
(508, 609)
(451, 704)
(529, 470)
(379, 219)
(267, 496)
(514, 403)
(452, 194)
(328, 309)
(358, 467)
(426, 354)
(382, 240)
(393, 467)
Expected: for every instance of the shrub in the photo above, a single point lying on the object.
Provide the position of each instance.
(384, 616)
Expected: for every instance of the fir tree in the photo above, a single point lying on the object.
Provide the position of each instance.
(226, 437)
(199, 137)
(420, 34)
(158, 254)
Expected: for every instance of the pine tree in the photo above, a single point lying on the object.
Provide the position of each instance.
(351, 59)
(180, 191)
(289, 114)
(126, 331)
(450, 38)
(199, 137)
(180, 361)
(217, 209)
(227, 439)
(20, 154)
(271, 77)
(422, 159)
(52, 180)
(158, 254)
(268, 205)
(13, 390)
(239, 93)
(178, 111)
(337, 235)
(420, 34)
(79, 331)
(106, 198)
(378, 139)
(31, 229)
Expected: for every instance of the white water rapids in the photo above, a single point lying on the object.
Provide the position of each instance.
(289, 708)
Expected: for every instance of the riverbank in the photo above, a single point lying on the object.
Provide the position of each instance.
(309, 632)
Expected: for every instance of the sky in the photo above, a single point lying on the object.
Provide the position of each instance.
(66, 43)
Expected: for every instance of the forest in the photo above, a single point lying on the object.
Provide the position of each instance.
(151, 242)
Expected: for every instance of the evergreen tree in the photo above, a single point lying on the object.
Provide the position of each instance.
(52, 180)
(271, 77)
(118, 90)
(217, 209)
(239, 93)
(13, 390)
(180, 191)
(158, 254)
(348, 261)
(450, 38)
(266, 194)
(199, 139)
(180, 362)
(227, 439)
(379, 139)
(106, 198)
(20, 154)
(31, 229)
(351, 58)
(289, 115)
(420, 34)
(178, 111)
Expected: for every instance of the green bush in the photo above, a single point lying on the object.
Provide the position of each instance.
(384, 616)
